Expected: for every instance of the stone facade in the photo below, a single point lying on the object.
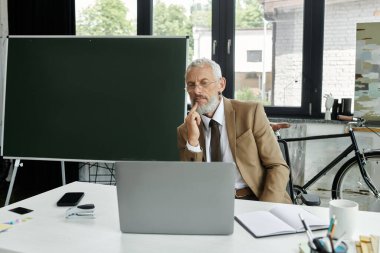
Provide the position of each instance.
(339, 56)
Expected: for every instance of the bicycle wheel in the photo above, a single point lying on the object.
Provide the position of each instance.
(349, 183)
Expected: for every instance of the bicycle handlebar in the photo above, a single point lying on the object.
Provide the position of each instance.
(279, 125)
(351, 120)
(345, 118)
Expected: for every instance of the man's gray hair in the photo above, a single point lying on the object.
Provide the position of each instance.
(202, 62)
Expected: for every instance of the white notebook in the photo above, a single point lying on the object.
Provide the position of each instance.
(282, 219)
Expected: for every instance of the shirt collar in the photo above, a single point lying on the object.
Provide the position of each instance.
(218, 115)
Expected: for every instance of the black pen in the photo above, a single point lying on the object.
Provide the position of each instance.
(308, 232)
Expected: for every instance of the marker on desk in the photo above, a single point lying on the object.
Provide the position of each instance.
(309, 233)
(333, 229)
(331, 235)
(332, 221)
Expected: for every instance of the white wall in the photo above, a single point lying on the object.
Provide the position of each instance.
(3, 38)
(202, 42)
(252, 39)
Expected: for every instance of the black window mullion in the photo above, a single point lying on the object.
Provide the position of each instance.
(230, 48)
(144, 17)
(313, 57)
(223, 15)
(215, 31)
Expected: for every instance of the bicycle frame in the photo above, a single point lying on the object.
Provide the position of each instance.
(340, 157)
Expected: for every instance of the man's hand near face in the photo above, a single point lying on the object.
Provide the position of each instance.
(192, 120)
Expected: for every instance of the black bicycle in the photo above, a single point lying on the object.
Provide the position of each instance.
(358, 179)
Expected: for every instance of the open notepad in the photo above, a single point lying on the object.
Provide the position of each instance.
(282, 219)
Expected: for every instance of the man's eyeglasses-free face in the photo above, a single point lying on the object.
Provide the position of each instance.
(203, 85)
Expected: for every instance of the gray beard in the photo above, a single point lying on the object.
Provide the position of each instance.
(210, 106)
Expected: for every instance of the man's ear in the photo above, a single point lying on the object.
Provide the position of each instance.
(222, 85)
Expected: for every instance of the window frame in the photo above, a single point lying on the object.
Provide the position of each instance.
(312, 62)
(223, 40)
(312, 54)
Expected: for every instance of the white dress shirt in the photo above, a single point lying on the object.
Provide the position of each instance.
(224, 143)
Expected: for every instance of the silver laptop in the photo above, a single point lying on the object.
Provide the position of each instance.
(175, 197)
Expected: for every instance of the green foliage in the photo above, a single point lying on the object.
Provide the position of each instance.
(249, 14)
(246, 94)
(105, 17)
(170, 20)
(201, 15)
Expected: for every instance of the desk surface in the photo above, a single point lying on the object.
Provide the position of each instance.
(49, 231)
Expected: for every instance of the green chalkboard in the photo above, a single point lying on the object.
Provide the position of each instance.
(99, 99)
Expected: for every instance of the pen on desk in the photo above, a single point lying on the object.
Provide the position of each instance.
(331, 235)
(308, 232)
(331, 243)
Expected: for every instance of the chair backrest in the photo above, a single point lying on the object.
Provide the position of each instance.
(285, 152)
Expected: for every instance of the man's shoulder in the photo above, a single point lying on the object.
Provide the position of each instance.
(245, 105)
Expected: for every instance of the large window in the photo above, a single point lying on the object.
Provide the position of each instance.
(340, 44)
(268, 51)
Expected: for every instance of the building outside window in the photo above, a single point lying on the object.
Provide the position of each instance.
(254, 56)
(339, 55)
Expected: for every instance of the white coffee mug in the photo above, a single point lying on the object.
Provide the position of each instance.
(346, 215)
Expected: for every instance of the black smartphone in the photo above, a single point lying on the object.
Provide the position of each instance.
(70, 199)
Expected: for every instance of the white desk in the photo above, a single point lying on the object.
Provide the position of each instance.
(49, 231)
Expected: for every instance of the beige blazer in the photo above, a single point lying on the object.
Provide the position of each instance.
(254, 148)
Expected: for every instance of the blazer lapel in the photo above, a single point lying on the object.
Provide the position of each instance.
(229, 114)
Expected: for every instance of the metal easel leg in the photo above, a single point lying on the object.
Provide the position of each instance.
(63, 172)
(16, 165)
